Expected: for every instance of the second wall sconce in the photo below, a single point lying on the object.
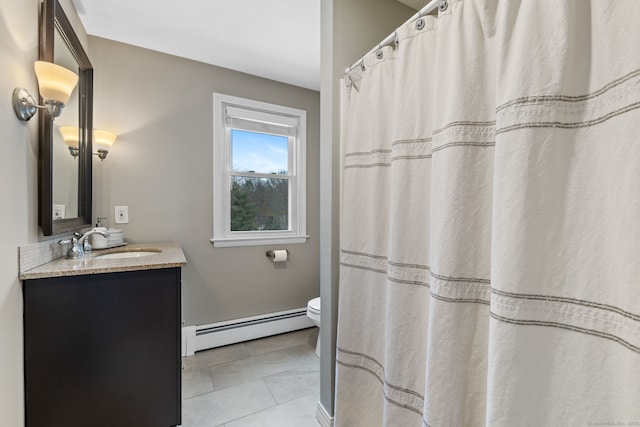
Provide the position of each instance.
(104, 140)
(55, 84)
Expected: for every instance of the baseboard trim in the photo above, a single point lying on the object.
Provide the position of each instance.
(323, 416)
(213, 335)
(188, 341)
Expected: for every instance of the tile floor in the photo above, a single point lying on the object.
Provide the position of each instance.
(273, 381)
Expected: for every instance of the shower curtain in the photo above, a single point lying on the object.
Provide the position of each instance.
(490, 230)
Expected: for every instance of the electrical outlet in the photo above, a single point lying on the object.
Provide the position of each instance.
(122, 214)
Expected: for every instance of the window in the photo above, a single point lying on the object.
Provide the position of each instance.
(259, 186)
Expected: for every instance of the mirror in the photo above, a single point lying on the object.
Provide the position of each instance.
(65, 164)
(65, 179)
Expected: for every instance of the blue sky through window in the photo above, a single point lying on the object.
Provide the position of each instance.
(259, 152)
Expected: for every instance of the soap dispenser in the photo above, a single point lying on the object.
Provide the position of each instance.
(98, 241)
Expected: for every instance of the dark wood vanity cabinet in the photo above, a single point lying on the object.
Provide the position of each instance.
(103, 349)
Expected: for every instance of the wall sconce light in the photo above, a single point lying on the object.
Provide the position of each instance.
(71, 136)
(104, 140)
(55, 84)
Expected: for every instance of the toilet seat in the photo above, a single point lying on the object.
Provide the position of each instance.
(313, 306)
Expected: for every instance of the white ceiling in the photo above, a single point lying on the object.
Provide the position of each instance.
(275, 39)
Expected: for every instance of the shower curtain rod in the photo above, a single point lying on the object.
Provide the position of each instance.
(391, 38)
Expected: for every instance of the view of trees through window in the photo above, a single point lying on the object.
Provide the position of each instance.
(259, 203)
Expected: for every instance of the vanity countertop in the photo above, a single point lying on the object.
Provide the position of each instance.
(171, 255)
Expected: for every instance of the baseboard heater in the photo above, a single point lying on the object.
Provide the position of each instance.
(203, 337)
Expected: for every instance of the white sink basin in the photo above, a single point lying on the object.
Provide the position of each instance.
(129, 254)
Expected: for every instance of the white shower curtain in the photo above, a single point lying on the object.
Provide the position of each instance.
(490, 249)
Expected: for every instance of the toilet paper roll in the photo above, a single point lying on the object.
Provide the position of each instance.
(279, 255)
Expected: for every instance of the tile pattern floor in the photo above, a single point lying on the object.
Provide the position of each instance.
(273, 381)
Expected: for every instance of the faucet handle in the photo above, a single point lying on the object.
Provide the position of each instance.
(75, 250)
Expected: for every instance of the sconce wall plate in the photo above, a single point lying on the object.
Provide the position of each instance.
(23, 104)
(102, 153)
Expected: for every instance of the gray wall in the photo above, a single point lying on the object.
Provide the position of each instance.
(350, 28)
(161, 108)
(18, 187)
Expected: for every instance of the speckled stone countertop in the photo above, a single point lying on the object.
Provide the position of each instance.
(170, 255)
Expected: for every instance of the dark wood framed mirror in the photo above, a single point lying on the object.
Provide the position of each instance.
(65, 181)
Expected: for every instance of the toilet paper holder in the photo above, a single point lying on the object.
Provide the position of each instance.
(272, 254)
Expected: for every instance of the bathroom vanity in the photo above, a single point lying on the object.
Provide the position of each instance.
(102, 339)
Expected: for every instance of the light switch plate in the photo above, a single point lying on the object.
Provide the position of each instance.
(122, 214)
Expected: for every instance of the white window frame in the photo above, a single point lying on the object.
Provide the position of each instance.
(224, 107)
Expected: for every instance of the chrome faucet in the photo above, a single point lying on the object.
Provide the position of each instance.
(80, 244)
(75, 250)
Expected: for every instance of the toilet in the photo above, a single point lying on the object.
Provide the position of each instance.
(313, 312)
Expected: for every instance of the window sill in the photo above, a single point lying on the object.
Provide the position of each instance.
(257, 241)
